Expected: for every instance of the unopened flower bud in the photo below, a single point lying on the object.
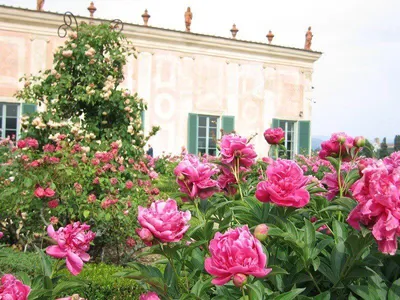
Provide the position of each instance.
(239, 280)
(359, 141)
(181, 177)
(341, 139)
(261, 232)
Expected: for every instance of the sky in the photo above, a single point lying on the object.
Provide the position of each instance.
(356, 81)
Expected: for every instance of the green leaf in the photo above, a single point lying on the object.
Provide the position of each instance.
(394, 291)
(334, 162)
(289, 295)
(27, 182)
(65, 286)
(339, 231)
(309, 235)
(347, 203)
(46, 263)
(24, 278)
(86, 213)
(361, 290)
(323, 296)
(47, 283)
(338, 258)
(255, 292)
(276, 270)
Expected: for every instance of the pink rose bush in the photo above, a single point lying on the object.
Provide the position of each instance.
(274, 136)
(378, 197)
(194, 178)
(13, 289)
(73, 242)
(285, 185)
(235, 252)
(164, 221)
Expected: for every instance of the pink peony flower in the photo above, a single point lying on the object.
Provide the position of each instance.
(96, 180)
(164, 220)
(121, 168)
(95, 161)
(92, 198)
(227, 181)
(378, 196)
(21, 144)
(78, 187)
(338, 145)
(285, 186)
(13, 289)
(113, 181)
(149, 296)
(194, 178)
(236, 152)
(236, 251)
(53, 220)
(274, 136)
(1, 235)
(73, 241)
(53, 203)
(393, 161)
(331, 181)
(145, 235)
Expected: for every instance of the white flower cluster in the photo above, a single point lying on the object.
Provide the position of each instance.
(108, 86)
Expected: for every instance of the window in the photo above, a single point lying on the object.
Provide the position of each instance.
(207, 131)
(9, 116)
(288, 127)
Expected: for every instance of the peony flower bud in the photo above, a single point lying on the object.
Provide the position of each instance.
(359, 141)
(261, 232)
(1, 235)
(239, 280)
(341, 139)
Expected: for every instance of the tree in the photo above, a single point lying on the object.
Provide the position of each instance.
(80, 96)
(397, 143)
(368, 149)
(384, 149)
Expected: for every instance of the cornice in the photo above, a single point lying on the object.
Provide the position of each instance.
(147, 37)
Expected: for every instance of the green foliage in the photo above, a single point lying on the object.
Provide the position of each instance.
(368, 149)
(12, 262)
(397, 143)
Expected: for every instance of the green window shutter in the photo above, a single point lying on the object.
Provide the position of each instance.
(28, 109)
(192, 133)
(304, 137)
(275, 123)
(142, 119)
(228, 124)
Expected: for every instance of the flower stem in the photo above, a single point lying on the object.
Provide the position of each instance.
(315, 283)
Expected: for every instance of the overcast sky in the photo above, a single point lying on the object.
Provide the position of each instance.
(356, 80)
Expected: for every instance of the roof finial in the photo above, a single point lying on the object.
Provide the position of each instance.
(270, 36)
(92, 10)
(39, 5)
(188, 19)
(309, 37)
(146, 17)
(234, 31)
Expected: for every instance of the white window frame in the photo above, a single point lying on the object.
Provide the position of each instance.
(293, 150)
(4, 119)
(207, 148)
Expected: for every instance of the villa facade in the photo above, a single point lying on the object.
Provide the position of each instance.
(194, 84)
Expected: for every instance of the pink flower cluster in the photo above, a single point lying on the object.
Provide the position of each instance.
(13, 289)
(234, 255)
(41, 192)
(378, 197)
(340, 145)
(73, 241)
(28, 143)
(331, 181)
(194, 178)
(236, 151)
(164, 221)
(313, 163)
(285, 185)
(274, 136)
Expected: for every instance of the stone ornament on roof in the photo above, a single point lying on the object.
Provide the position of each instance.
(146, 17)
(309, 37)
(92, 9)
(39, 5)
(234, 31)
(188, 19)
(270, 36)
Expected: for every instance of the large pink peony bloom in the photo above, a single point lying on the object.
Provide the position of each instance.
(13, 289)
(274, 136)
(285, 186)
(149, 296)
(194, 178)
(164, 220)
(227, 181)
(236, 251)
(378, 196)
(339, 144)
(235, 151)
(73, 241)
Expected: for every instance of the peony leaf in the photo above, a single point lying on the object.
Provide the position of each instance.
(394, 291)
(290, 295)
